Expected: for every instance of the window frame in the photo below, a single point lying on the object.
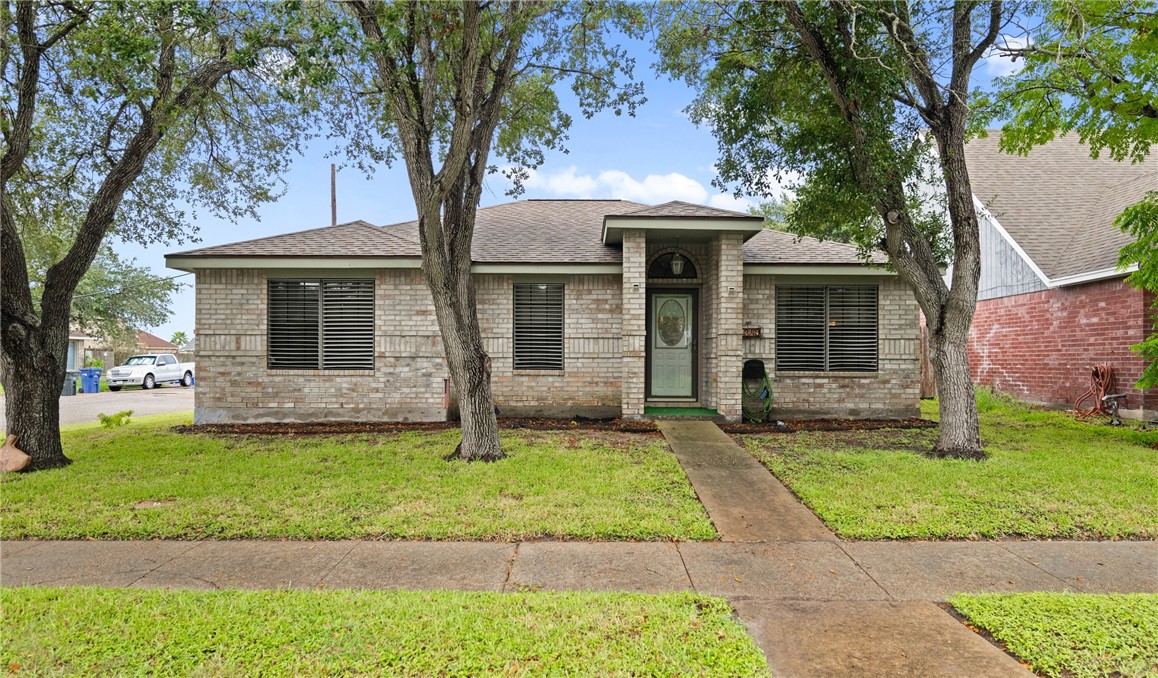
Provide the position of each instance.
(826, 348)
(542, 365)
(320, 322)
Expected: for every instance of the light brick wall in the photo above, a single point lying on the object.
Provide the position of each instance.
(729, 320)
(634, 324)
(408, 380)
(891, 392)
(604, 352)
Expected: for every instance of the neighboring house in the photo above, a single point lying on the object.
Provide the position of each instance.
(1051, 300)
(587, 308)
(151, 343)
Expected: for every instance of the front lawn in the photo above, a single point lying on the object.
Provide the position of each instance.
(143, 481)
(90, 631)
(1046, 476)
(1073, 635)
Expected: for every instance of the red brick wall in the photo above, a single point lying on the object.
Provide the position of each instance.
(1040, 346)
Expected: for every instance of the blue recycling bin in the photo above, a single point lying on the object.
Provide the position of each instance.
(90, 379)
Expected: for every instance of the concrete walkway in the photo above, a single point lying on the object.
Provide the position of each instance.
(745, 502)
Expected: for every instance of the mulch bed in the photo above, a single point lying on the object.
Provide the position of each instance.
(543, 424)
(345, 427)
(795, 425)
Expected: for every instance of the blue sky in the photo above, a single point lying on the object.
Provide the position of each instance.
(657, 156)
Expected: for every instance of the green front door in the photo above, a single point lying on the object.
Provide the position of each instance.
(672, 345)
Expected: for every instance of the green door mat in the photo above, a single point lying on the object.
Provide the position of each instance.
(680, 412)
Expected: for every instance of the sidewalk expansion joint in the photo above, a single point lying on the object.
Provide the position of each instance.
(685, 566)
(840, 545)
(322, 581)
(1065, 584)
(160, 565)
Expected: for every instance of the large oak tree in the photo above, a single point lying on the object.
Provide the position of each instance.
(450, 85)
(870, 103)
(116, 117)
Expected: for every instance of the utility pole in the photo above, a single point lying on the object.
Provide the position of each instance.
(333, 194)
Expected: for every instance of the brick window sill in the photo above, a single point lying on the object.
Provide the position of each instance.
(827, 375)
(539, 373)
(319, 373)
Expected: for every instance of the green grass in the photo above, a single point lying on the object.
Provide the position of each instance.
(1047, 475)
(89, 631)
(142, 481)
(1072, 635)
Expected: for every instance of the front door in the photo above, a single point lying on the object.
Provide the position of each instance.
(672, 345)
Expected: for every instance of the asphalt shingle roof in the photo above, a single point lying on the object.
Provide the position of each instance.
(528, 232)
(1057, 203)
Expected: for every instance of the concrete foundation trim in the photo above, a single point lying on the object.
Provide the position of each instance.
(307, 415)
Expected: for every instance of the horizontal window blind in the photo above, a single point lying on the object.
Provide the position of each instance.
(294, 335)
(852, 329)
(321, 324)
(831, 329)
(348, 324)
(538, 316)
(800, 329)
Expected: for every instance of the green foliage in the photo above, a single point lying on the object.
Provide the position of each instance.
(552, 485)
(59, 631)
(773, 115)
(1047, 476)
(1090, 68)
(114, 420)
(775, 212)
(179, 338)
(1141, 222)
(560, 44)
(1071, 635)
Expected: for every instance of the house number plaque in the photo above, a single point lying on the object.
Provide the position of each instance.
(750, 331)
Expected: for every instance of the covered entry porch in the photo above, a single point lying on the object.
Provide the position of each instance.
(683, 303)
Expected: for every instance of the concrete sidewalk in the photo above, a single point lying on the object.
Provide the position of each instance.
(887, 571)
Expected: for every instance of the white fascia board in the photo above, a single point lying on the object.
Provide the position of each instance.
(549, 269)
(1092, 276)
(819, 269)
(984, 213)
(193, 263)
(613, 227)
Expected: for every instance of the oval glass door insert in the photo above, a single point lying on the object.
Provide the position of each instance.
(671, 323)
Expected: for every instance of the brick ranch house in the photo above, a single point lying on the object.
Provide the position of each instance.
(1051, 300)
(587, 307)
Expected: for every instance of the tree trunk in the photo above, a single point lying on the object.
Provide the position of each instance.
(33, 378)
(959, 434)
(452, 289)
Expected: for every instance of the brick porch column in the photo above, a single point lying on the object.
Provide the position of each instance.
(728, 325)
(634, 322)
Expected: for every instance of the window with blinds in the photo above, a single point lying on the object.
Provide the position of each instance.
(538, 326)
(826, 329)
(321, 324)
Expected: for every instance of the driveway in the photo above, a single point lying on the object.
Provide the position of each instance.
(84, 407)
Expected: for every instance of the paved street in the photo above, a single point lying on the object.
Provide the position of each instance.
(84, 407)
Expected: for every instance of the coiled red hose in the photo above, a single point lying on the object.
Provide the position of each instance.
(1101, 381)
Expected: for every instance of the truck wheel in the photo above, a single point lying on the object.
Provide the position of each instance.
(187, 379)
(114, 388)
(149, 382)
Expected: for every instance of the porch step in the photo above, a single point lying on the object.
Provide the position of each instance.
(680, 413)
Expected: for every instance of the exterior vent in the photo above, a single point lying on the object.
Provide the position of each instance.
(538, 312)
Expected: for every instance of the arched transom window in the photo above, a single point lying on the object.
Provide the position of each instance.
(672, 265)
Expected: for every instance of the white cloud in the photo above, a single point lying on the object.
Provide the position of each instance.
(783, 184)
(565, 182)
(727, 201)
(1000, 65)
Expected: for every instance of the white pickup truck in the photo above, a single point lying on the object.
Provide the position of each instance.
(148, 370)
